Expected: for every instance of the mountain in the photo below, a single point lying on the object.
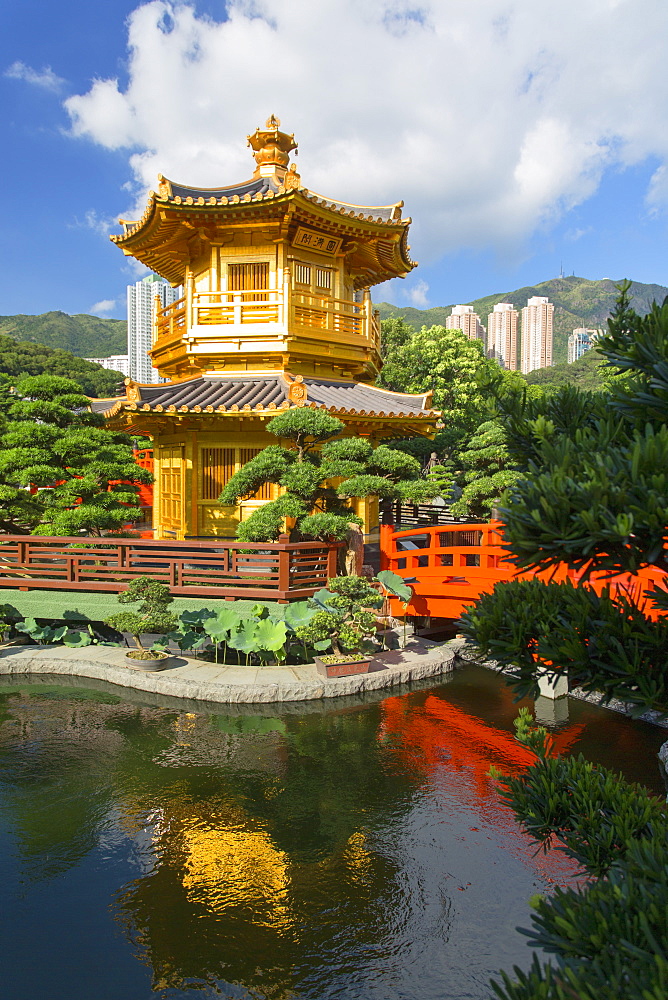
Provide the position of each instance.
(577, 302)
(82, 335)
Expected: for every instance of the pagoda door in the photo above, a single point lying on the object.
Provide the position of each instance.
(171, 511)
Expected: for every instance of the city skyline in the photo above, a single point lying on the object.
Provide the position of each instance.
(578, 181)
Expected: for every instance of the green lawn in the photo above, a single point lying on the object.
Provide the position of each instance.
(97, 606)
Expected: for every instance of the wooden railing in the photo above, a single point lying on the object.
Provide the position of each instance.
(272, 571)
(450, 566)
(321, 312)
(285, 307)
(170, 321)
(262, 305)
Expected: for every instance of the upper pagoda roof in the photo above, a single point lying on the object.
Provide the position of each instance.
(177, 213)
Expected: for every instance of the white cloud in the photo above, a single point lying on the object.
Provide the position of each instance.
(100, 224)
(417, 294)
(46, 78)
(573, 235)
(491, 119)
(103, 307)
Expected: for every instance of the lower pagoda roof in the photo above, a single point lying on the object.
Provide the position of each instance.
(275, 391)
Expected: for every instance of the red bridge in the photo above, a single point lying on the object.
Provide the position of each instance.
(449, 566)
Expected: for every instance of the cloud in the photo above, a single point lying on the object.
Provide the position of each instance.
(491, 119)
(46, 78)
(103, 307)
(417, 294)
(573, 235)
(100, 224)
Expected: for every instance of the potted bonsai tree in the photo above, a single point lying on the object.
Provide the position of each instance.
(344, 622)
(151, 616)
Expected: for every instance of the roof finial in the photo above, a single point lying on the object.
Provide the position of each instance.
(271, 149)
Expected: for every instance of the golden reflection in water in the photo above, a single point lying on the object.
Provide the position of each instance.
(235, 865)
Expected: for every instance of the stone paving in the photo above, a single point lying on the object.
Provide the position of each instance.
(198, 680)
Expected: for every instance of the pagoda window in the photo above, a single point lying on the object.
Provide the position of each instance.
(218, 465)
(323, 279)
(302, 273)
(267, 490)
(248, 278)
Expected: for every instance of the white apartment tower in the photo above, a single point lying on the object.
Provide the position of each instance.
(502, 335)
(464, 318)
(141, 299)
(537, 323)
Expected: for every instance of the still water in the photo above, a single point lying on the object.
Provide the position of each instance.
(358, 852)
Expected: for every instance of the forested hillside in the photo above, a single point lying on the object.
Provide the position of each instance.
(19, 357)
(577, 301)
(82, 335)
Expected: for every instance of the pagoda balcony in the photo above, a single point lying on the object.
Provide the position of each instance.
(266, 314)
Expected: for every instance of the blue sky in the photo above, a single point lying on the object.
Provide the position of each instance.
(521, 137)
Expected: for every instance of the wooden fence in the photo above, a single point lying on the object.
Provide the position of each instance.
(271, 571)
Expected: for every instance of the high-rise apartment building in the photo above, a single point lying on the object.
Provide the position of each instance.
(141, 303)
(464, 318)
(580, 341)
(117, 363)
(502, 335)
(537, 325)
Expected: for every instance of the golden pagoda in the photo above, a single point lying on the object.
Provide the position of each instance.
(276, 312)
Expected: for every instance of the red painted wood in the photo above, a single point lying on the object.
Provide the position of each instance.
(446, 578)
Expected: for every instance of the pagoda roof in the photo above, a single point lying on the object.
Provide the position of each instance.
(177, 214)
(267, 392)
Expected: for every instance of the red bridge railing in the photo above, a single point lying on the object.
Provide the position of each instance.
(450, 566)
(273, 571)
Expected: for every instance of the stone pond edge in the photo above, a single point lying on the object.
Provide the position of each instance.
(415, 663)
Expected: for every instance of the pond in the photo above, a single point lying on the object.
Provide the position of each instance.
(357, 851)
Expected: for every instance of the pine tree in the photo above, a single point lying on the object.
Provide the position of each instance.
(61, 472)
(305, 471)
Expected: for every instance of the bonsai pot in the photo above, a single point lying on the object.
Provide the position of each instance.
(146, 659)
(337, 665)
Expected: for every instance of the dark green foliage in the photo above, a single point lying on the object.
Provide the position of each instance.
(609, 938)
(447, 363)
(153, 598)
(305, 428)
(51, 440)
(394, 333)
(302, 479)
(324, 525)
(151, 595)
(387, 461)
(489, 472)
(264, 525)
(18, 358)
(588, 373)
(342, 618)
(136, 624)
(365, 485)
(595, 491)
